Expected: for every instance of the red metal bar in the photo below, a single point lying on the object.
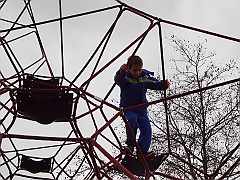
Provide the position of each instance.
(105, 38)
(42, 138)
(8, 109)
(119, 156)
(139, 151)
(57, 19)
(88, 101)
(96, 168)
(61, 36)
(115, 162)
(118, 55)
(86, 113)
(1, 137)
(177, 24)
(108, 123)
(68, 159)
(14, 39)
(164, 78)
(200, 30)
(39, 39)
(105, 125)
(100, 100)
(182, 94)
(6, 160)
(16, 20)
(137, 11)
(55, 89)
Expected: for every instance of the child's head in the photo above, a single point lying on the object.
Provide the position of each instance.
(135, 65)
(132, 60)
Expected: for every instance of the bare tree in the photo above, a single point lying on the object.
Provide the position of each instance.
(204, 127)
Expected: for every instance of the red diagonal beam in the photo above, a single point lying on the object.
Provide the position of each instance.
(112, 159)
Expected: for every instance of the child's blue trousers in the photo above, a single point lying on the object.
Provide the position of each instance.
(139, 120)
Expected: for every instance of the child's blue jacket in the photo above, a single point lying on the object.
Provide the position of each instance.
(133, 91)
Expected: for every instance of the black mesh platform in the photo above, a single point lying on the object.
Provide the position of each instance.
(44, 107)
(35, 165)
(135, 165)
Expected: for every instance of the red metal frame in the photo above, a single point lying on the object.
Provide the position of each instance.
(88, 146)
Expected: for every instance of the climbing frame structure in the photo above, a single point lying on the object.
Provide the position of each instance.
(58, 122)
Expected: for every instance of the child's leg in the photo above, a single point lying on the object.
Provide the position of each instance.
(132, 120)
(145, 137)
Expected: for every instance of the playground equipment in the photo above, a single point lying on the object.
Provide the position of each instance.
(29, 98)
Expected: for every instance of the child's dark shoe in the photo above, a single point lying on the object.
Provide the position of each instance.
(150, 155)
(128, 150)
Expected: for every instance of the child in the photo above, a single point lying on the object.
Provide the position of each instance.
(133, 84)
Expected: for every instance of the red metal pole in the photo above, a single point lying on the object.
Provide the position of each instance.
(115, 162)
(200, 30)
(46, 138)
(118, 55)
(182, 94)
(105, 126)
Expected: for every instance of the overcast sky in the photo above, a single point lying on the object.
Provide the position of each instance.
(83, 34)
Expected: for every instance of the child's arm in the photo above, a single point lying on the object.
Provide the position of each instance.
(124, 67)
(118, 78)
(156, 84)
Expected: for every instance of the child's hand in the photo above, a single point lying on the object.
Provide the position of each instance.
(166, 84)
(124, 67)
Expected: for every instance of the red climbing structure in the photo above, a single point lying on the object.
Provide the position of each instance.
(53, 126)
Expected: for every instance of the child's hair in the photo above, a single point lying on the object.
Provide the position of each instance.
(134, 59)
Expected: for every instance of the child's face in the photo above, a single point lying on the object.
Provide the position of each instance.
(136, 70)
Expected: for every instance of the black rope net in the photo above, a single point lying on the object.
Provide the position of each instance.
(58, 119)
